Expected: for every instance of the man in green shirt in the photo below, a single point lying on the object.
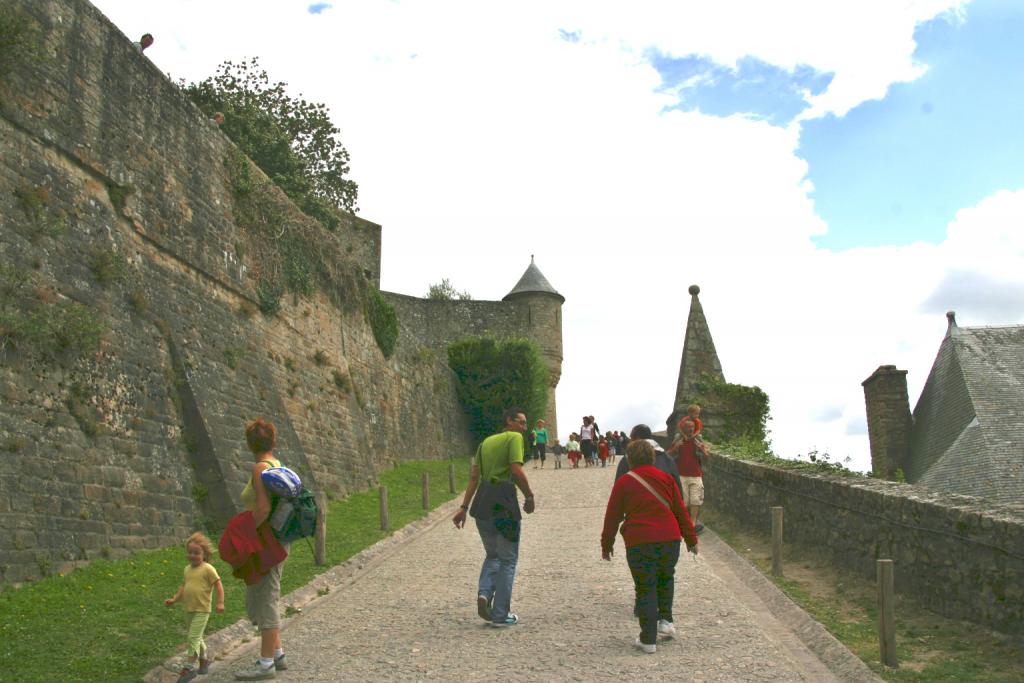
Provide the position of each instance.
(498, 463)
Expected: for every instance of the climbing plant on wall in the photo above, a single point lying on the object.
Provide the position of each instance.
(383, 321)
(742, 411)
(494, 375)
(284, 249)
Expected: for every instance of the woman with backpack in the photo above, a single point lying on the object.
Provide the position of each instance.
(261, 598)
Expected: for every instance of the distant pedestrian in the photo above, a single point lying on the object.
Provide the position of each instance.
(142, 43)
(689, 453)
(602, 451)
(556, 450)
(662, 460)
(693, 412)
(587, 440)
(200, 579)
(540, 443)
(647, 505)
(573, 447)
(498, 463)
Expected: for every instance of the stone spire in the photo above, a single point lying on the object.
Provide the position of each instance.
(699, 359)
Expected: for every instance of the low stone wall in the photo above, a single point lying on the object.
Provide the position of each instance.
(961, 556)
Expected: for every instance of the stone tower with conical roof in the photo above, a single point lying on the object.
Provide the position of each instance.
(539, 313)
(699, 361)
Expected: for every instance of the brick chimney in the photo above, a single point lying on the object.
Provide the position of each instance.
(889, 419)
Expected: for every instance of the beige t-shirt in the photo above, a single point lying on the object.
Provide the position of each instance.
(199, 583)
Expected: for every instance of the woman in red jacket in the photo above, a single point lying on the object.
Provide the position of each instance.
(655, 519)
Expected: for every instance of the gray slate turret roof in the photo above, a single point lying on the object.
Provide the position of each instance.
(968, 434)
(531, 282)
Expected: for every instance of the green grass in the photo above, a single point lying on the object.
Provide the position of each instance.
(929, 647)
(108, 621)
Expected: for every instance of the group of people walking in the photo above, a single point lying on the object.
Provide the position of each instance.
(588, 445)
(654, 503)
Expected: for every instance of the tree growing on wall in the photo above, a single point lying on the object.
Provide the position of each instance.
(291, 139)
(494, 375)
(445, 291)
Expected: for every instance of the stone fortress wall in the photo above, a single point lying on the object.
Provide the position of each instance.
(116, 200)
(535, 316)
(960, 556)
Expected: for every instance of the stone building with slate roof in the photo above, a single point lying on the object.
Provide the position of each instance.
(966, 434)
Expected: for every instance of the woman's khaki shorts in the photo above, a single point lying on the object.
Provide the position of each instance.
(261, 600)
(693, 490)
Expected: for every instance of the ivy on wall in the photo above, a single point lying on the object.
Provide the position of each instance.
(283, 249)
(743, 410)
(494, 375)
(383, 320)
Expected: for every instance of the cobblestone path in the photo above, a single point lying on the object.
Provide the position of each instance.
(412, 616)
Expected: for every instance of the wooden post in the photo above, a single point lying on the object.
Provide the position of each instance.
(385, 522)
(776, 541)
(886, 613)
(451, 477)
(320, 545)
(426, 490)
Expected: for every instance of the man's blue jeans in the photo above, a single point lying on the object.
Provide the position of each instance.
(499, 568)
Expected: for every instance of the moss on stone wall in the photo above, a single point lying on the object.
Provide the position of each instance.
(383, 320)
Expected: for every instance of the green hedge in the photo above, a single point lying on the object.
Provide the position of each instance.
(494, 375)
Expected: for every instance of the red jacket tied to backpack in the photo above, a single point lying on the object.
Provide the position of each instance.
(252, 552)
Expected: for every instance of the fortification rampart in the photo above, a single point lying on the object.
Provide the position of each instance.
(960, 556)
(115, 197)
(536, 316)
(437, 323)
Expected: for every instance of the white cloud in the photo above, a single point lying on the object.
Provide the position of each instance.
(479, 136)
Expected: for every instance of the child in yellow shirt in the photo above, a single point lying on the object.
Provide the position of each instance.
(200, 578)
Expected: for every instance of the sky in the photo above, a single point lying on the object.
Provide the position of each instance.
(834, 175)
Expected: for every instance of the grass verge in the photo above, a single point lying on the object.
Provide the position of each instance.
(930, 648)
(107, 621)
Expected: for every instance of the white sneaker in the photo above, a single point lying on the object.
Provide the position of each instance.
(666, 629)
(645, 648)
